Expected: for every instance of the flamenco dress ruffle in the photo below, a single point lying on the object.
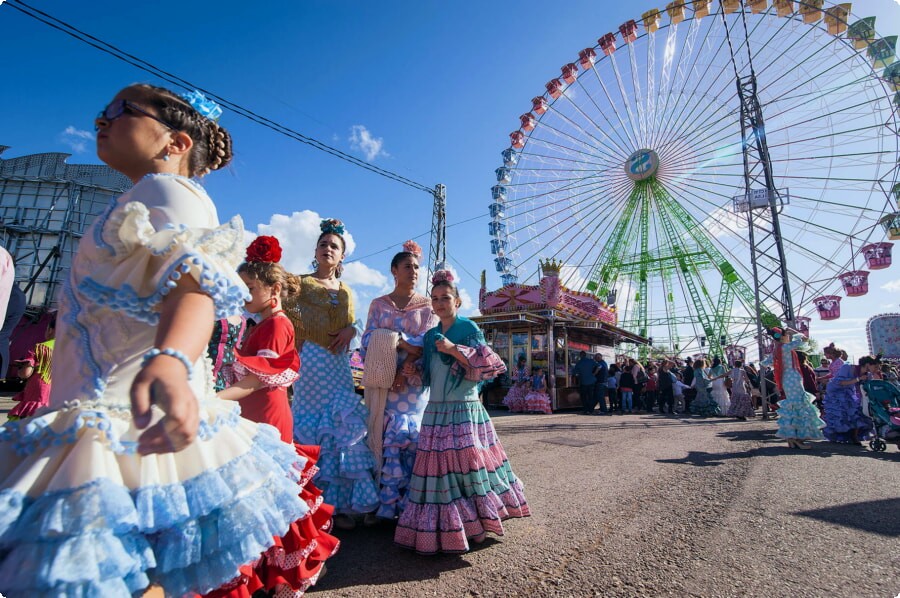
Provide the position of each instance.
(462, 485)
(741, 405)
(704, 405)
(537, 402)
(327, 412)
(401, 437)
(293, 564)
(843, 415)
(81, 514)
(798, 417)
(515, 399)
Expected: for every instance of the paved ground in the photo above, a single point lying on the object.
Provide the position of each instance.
(645, 505)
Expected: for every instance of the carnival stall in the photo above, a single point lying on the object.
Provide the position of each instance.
(549, 325)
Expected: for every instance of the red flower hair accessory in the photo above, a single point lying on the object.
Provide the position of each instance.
(413, 248)
(264, 249)
(442, 276)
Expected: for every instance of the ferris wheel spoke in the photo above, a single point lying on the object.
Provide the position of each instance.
(618, 144)
(613, 104)
(635, 129)
(551, 145)
(556, 226)
(587, 149)
(586, 194)
(676, 124)
(636, 87)
(610, 149)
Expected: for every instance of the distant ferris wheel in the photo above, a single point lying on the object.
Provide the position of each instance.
(629, 169)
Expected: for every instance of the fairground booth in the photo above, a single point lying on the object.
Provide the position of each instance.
(549, 325)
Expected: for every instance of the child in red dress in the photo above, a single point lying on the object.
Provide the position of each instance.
(264, 367)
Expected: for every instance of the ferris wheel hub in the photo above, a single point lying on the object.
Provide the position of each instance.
(642, 164)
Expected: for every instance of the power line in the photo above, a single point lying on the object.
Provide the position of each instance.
(141, 64)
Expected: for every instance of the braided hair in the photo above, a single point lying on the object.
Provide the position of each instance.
(212, 143)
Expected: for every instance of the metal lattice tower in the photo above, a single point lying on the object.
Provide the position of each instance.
(437, 251)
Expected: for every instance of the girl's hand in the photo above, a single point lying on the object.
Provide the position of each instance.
(410, 349)
(163, 382)
(409, 368)
(342, 339)
(444, 346)
(399, 381)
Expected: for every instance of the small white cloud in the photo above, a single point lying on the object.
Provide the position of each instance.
(76, 139)
(361, 139)
(357, 273)
(893, 285)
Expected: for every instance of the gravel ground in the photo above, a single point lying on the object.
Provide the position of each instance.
(646, 505)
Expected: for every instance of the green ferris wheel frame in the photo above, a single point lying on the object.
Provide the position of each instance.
(629, 167)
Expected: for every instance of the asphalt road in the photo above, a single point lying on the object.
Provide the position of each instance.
(646, 505)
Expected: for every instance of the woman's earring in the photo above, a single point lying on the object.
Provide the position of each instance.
(166, 157)
(339, 270)
(315, 265)
(273, 302)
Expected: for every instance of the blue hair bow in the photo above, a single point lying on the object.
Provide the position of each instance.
(206, 107)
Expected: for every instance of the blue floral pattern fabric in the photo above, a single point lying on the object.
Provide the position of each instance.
(329, 413)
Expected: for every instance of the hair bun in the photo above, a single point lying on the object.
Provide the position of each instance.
(442, 276)
(413, 248)
(264, 249)
(332, 226)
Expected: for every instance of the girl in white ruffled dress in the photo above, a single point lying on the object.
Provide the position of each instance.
(136, 474)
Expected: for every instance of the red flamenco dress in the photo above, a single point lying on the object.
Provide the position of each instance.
(296, 560)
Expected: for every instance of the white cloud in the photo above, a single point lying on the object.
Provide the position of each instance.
(76, 139)
(361, 139)
(891, 286)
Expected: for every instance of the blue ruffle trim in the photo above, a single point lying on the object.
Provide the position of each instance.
(229, 298)
(799, 418)
(37, 432)
(102, 540)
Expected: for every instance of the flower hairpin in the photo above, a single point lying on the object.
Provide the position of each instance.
(264, 249)
(442, 276)
(332, 226)
(203, 105)
(413, 248)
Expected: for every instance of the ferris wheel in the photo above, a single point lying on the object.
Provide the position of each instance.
(630, 171)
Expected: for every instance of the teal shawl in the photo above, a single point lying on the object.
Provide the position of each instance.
(463, 332)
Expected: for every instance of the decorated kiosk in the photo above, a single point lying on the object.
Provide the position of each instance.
(549, 325)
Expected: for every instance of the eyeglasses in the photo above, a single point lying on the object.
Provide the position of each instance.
(119, 107)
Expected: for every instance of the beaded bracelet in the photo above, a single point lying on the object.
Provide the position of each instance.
(171, 353)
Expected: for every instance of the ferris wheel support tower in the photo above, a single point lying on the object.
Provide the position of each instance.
(762, 202)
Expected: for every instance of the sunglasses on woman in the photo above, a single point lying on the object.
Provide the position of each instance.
(119, 107)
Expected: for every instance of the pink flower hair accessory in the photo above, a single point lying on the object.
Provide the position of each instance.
(442, 276)
(413, 248)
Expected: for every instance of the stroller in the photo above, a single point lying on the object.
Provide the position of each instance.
(883, 401)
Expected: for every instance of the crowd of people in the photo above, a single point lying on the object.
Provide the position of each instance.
(166, 454)
(669, 386)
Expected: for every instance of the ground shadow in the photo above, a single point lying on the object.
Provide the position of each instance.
(875, 516)
(354, 564)
(769, 445)
(587, 423)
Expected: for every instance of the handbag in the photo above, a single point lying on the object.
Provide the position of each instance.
(381, 359)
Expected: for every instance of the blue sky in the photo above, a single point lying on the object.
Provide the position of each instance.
(427, 89)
